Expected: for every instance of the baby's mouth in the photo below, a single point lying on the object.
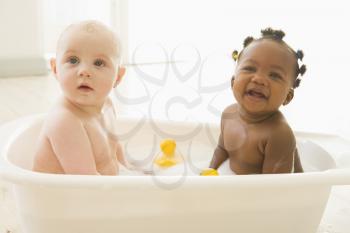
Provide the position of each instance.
(85, 88)
(256, 94)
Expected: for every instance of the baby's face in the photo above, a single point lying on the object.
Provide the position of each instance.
(264, 77)
(87, 64)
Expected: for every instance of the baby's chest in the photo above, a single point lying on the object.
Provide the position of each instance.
(237, 135)
(244, 143)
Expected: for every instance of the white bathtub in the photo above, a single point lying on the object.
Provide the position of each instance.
(286, 203)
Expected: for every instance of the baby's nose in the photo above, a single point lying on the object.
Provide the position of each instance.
(260, 79)
(84, 71)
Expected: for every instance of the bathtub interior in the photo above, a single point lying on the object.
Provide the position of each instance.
(140, 140)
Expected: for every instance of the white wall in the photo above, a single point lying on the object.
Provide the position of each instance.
(216, 27)
(21, 41)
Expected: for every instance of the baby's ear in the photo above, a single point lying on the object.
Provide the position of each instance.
(289, 97)
(232, 81)
(120, 75)
(53, 65)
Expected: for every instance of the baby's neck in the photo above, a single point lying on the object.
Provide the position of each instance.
(250, 118)
(85, 111)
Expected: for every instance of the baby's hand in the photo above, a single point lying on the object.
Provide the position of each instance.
(209, 172)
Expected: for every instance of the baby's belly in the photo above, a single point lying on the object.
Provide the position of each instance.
(242, 168)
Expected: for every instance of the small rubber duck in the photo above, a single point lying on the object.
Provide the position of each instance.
(168, 156)
(209, 172)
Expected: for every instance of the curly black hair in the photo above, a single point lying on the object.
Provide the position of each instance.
(276, 35)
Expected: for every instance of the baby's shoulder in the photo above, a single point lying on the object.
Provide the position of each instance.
(280, 130)
(230, 111)
(61, 119)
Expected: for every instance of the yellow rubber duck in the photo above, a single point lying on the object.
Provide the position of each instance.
(167, 158)
(209, 172)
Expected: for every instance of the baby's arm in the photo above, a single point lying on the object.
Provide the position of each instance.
(71, 144)
(120, 155)
(220, 154)
(279, 151)
(298, 168)
(126, 164)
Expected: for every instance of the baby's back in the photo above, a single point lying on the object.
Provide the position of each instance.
(74, 143)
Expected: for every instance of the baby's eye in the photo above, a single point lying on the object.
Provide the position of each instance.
(275, 75)
(73, 60)
(99, 63)
(249, 68)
